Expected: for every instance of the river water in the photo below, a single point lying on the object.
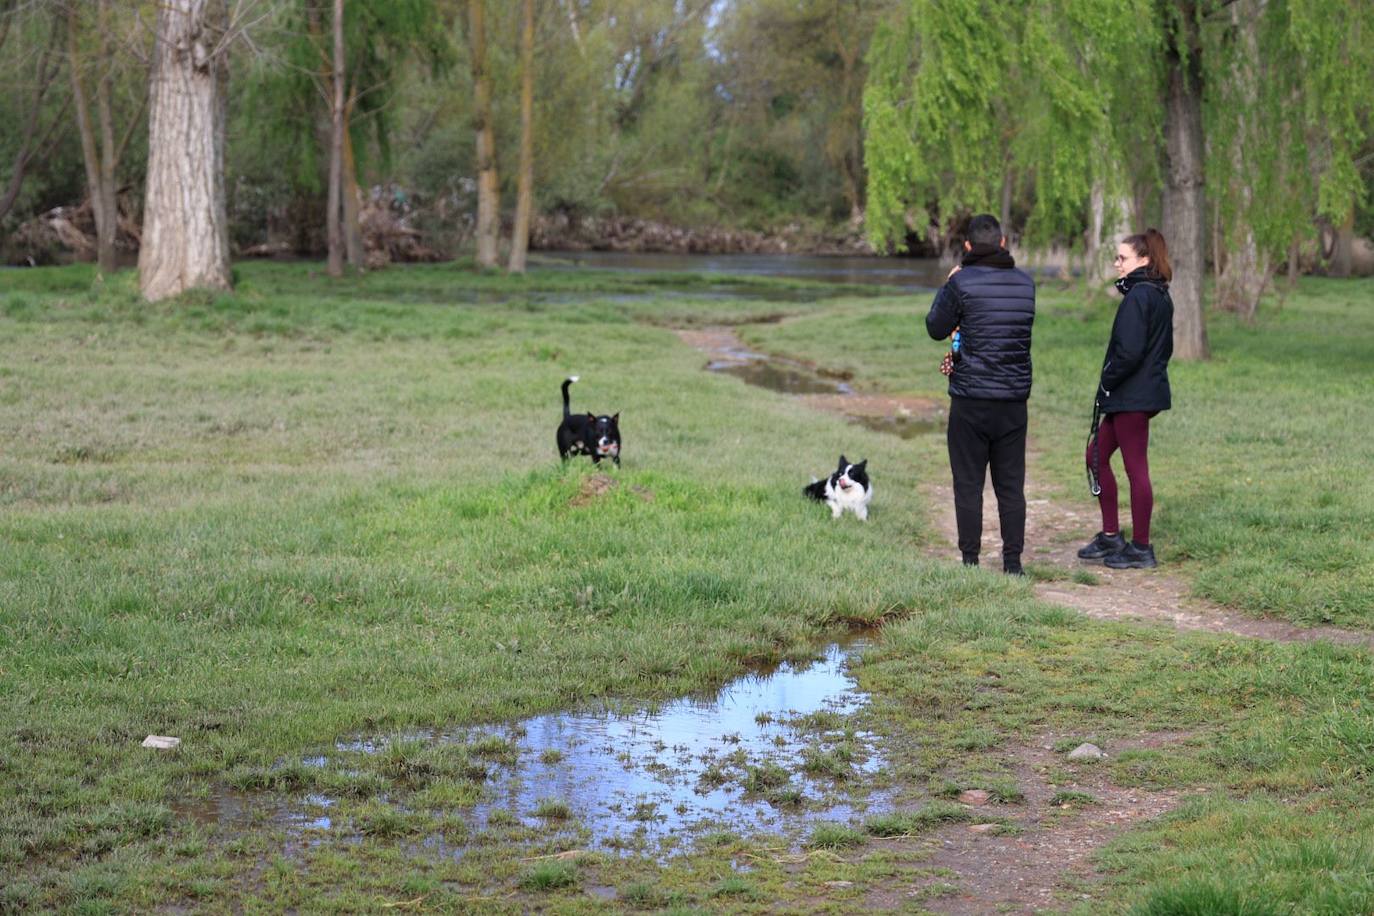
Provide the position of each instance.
(900, 273)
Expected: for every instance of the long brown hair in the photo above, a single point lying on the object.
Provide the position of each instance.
(1151, 245)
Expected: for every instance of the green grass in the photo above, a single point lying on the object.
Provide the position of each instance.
(1260, 469)
(310, 512)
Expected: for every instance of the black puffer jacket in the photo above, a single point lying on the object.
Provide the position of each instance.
(1135, 373)
(994, 308)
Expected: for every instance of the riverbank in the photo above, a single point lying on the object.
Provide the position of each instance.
(565, 232)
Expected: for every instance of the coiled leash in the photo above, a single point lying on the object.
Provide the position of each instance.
(1093, 451)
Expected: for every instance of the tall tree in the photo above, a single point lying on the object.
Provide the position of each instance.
(488, 188)
(185, 225)
(34, 136)
(524, 200)
(1185, 215)
(334, 212)
(102, 162)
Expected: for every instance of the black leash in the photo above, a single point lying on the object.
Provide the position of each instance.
(1093, 452)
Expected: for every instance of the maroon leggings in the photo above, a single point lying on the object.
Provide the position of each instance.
(1130, 432)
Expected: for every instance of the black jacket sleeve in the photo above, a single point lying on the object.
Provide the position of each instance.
(944, 313)
(1126, 350)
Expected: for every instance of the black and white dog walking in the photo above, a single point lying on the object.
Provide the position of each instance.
(587, 434)
(847, 488)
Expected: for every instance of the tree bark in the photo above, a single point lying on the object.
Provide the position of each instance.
(1184, 205)
(524, 200)
(185, 225)
(334, 215)
(1242, 268)
(352, 227)
(95, 167)
(488, 191)
(1343, 251)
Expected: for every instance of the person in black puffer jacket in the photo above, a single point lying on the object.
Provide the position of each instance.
(992, 306)
(1133, 389)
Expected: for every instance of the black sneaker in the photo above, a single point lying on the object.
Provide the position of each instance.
(1133, 556)
(1013, 569)
(971, 560)
(1104, 545)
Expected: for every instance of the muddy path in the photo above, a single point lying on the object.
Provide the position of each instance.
(1037, 854)
(1055, 531)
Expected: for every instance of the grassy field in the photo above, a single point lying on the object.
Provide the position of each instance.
(314, 510)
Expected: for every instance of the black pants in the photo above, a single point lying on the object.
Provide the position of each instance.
(981, 434)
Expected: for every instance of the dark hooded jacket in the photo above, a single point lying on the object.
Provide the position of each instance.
(992, 302)
(1135, 372)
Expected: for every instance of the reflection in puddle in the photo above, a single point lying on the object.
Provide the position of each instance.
(776, 375)
(731, 356)
(904, 427)
(687, 765)
(771, 752)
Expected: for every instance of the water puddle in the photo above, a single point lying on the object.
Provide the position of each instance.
(767, 753)
(772, 751)
(779, 375)
(905, 418)
(903, 427)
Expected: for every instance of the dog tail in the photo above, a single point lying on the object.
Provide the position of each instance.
(566, 382)
(816, 490)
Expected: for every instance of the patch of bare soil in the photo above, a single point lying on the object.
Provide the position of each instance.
(598, 485)
(1040, 861)
(718, 341)
(1054, 532)
(875, 405)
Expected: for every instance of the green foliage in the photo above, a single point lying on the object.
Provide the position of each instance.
(1064, 97)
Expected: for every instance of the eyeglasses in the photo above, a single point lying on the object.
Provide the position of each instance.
(1119, 259)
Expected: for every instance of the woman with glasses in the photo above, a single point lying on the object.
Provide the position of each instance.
(1133, 389)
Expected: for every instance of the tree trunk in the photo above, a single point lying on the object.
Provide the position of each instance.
(1185, 214)
(1343, 252)
(488, 191)
(524, 201)
(1242, 268)
(185, 225)
(352, 227)
(95, 168)
(107, 226)
(334, 213)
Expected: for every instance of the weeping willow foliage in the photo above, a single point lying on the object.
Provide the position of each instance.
(1065, 97)
(284, 91)
(1287, 114)
(966, 95)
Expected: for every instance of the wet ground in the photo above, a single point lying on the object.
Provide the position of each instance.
(822, 389)
(770, 752)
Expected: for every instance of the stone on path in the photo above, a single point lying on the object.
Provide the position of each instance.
(161, 742)
(974, 797)
(1087, 752)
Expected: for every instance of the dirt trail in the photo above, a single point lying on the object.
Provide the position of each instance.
(1045, 862)
(1054, 533)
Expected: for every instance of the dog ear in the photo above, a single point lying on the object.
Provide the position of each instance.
(615, 417)
(591, 416)
(843, 462)
(862, 464)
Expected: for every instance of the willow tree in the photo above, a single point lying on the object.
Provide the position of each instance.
(332, 99)
(1251, 96)
(969, 103)
(185, 223)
